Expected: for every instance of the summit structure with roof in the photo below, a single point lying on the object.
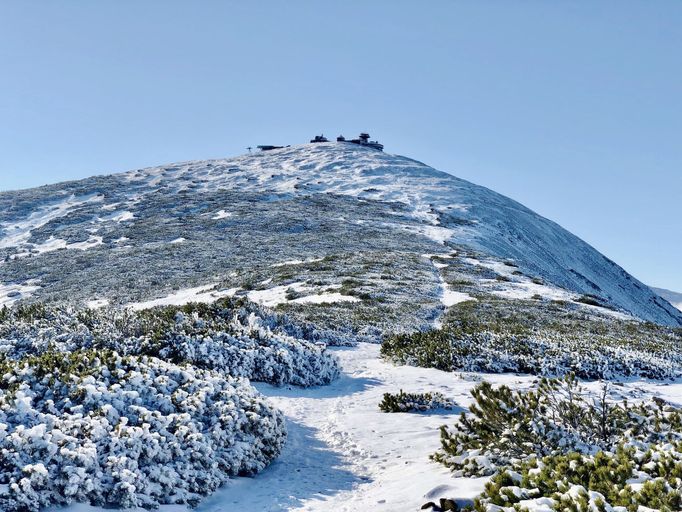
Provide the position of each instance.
(362, 140)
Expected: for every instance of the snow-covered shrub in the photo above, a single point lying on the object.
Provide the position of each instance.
(246, 347)
(557, 448)
(627, 479)
(540, 339)
(299, 328)
(229, 335)
(556, 418)
(429, 349)
(94, 426)
(408, 402)
(549, 353)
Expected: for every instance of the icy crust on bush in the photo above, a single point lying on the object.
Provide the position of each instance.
(540, 339)
(126, 431)
(229, 335)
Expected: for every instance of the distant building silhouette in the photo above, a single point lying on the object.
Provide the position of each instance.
(267, 147)
(362, 140)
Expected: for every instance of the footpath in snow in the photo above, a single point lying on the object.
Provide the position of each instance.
(344, 454)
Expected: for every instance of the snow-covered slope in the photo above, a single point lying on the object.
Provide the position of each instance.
(344, 454)
(351, 212)
(673, 297)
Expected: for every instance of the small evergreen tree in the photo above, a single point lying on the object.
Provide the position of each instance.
(408, 402)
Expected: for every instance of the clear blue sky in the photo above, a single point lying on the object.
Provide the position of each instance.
(572, 108)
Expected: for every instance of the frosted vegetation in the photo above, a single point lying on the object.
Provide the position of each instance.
(233, 336)
(341, 247)
(557, 447)
(414, 402)
(346, 214)
(541, 337)
(97, 427)
(139, 408)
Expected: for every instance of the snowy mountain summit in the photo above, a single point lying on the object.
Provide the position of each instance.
(267, 268)
(340, 234)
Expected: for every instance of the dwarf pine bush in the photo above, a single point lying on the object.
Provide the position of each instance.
(557, 448)
(233, 336)
(119, 408)
(624, 480)
(549, 340)
(557, 417)
(127, 431)
(408, 402)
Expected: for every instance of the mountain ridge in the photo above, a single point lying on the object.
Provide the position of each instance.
(675, 298)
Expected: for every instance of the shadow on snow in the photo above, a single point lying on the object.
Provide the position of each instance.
(343, 386)
(307, 469)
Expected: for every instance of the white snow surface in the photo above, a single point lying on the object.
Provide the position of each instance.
(123, 217)
(56, 244)
(271, 297)
(447, 208)
(325, 298)
(11, 293)
(297, 262)
(451, 297)
(51, 244)
(344, 454)
(275, 295)
(222, 214)
(204, 294)
(17, 232)
(93, 241)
